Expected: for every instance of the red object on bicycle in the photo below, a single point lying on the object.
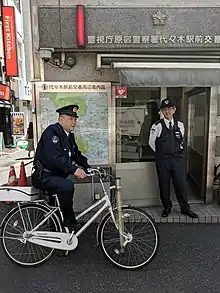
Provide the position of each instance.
(22, 181)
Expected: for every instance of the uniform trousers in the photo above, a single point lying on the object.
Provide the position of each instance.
(64, 189)
(172, 167)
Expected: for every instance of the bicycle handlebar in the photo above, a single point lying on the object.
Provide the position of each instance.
(98, 171)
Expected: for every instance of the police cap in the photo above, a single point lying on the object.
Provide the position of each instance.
(167, 103)
(70, 110)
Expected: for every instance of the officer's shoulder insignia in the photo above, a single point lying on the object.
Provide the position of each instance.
(152, 130)
(55, 139)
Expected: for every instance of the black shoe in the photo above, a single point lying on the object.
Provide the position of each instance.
(190, 214)
(72, 225)
(166, 212)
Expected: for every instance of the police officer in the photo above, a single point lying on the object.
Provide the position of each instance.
(166, 140)
(57, 156)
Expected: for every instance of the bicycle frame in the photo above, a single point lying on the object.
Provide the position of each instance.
(107, 204)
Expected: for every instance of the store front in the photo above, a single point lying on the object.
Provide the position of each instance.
(5, 114)
(151, 61)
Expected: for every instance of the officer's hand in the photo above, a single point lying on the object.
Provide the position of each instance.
(80, 173)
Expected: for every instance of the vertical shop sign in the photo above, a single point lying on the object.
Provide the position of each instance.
(17, 121)
(9, 39)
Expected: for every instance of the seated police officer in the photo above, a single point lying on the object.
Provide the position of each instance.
(166, 140)
(58, 156)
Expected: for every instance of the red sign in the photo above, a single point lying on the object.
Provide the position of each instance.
(9, 37)
(4, 92)
(120, 92)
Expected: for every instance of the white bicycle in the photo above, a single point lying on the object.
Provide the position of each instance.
(32, 230)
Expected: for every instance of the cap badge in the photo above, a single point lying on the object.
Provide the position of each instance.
(74, 109)
(166, 102)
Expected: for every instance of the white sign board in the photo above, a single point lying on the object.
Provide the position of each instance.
(130, 119)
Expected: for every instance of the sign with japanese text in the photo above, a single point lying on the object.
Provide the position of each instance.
(9, 39)
(135, 28)
(120, 92)
(157, 39)
(87, 86)
(159, 28)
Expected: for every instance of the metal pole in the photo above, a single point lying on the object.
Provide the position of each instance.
(119, 209)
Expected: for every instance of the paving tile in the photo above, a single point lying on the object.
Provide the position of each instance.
(195, 221)
(183, 219)
(189, 220)
(163, 220)
(176, 219)
(206, 213)
(170, 219)
(157, 219)
(214, 219)
(208, 219)
(202, 219)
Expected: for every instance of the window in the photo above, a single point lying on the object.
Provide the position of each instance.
(17, 4)
(20, 60)
(134, 118)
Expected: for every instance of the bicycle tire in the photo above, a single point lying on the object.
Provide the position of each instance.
(43, 208)
(108, 217)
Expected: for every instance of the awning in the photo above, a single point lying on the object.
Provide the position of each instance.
(168, 74)
(4, 104)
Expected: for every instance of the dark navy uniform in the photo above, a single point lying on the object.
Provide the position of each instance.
(166, 139)
(59, 156)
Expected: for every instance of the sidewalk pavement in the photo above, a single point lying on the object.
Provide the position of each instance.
(13, 159)
(208, 213)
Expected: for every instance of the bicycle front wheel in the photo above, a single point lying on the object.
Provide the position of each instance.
(143, 239)
(19, 221)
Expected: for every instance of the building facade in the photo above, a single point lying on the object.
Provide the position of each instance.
(20, 89)
(136, 53)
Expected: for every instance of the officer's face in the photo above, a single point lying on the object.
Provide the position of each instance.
(68, 122)
(168, 112)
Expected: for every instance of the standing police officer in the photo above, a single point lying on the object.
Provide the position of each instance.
(57, 156)
(166, 140)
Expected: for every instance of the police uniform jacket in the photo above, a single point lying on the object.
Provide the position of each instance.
(165, 141)
(59, 153)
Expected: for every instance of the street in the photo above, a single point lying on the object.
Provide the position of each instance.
(187, 262)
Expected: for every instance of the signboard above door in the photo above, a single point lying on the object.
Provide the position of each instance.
(112, 28)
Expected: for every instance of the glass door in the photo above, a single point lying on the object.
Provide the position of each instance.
(135, 115)
(197, 142)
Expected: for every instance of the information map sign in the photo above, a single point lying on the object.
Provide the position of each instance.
(92, 130)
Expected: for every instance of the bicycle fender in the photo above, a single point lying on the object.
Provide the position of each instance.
(100, 223)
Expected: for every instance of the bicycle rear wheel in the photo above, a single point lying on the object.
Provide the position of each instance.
(143, 235)
(19, 221)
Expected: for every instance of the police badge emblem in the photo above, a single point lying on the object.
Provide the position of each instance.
(55, 139)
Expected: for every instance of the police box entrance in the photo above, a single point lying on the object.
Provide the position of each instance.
(135, 113)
